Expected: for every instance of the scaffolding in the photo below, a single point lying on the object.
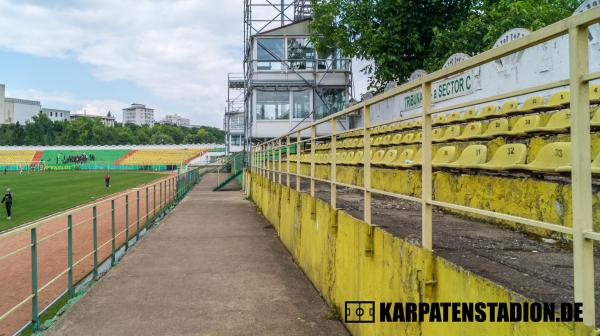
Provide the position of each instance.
(235, 107)
(261, 16)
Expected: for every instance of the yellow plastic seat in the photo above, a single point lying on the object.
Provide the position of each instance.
(532, 103)
(488, 111)
(407, 124)
(495, 127)
(444, 155)
(357, 158)
(347, 157)
(439, 119)
(471, 130)
(377, 141)
(560, 120)
(387, 139)
(408, 137)
(415, 161)
(397, 139)
(551, 157)
(509, 107)
(595, 117)
(595, 94)
(390, 156)
(418, 138)
(558, 100)
(470, 157)
(452, 117)
(418, 122)
(404, 159)
(470, 114)
(437, 134)
(378, 157)
(509, 156)
(451, 133)
(525, 124)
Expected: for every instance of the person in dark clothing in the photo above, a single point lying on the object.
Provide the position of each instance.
(107, 181)
(8, 200)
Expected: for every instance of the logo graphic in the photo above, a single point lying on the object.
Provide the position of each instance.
(359, 312)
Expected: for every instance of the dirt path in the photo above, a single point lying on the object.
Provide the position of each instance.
(213, 267)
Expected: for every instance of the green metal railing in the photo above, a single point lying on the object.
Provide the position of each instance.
(105, 216)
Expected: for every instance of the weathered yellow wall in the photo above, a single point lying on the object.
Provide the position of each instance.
(331, 245)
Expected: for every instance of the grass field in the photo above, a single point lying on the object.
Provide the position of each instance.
(40, 194)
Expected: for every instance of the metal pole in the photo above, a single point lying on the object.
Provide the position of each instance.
(313, 133)
(333, 173)
(426, 170)
(95, 228)
(70, 289)
(581, 175)
(367, 164)
(137, 215)
(126, 222)
(113, 256)
(298, 166)
(153, 201)
(146, 207)
(34, 282)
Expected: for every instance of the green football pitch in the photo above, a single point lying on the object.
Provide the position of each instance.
(40, 194)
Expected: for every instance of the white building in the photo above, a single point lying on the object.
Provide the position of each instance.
(176, 120)
(57, 115)
(138, 114)
(13, 110)
(108, 120)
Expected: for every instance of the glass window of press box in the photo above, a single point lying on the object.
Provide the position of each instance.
(300, 54)
(269, 53)
(272, 105)
(301, 104)
(329, 101)
(237, 139)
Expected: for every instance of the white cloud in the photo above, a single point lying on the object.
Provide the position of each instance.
(180, 50)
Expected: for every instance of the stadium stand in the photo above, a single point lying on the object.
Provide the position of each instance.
(16, 156)
(105, 156)
(478, 129)
(162, 156)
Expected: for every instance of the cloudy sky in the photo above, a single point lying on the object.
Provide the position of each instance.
(100, 55)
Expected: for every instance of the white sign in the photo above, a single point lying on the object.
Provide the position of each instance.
(456, 86)
(509, 61)
(594, 30)
(417, 74)
(456, 58)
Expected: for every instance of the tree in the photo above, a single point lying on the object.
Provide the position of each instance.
(489, 19)
(395, 34)
(90, 131)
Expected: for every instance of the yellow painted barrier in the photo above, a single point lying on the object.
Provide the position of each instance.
(348, 260)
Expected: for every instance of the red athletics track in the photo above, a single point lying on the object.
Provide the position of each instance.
(15, 270)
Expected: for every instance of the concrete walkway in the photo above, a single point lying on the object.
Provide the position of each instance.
(213, 267)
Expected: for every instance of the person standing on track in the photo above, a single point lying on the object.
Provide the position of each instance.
(107, 180)
(8, 200)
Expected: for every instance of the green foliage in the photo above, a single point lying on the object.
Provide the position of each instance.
(86, 131)
(489, 19)
(401, 36)
(395, 34)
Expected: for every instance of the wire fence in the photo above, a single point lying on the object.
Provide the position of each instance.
(47, 260)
